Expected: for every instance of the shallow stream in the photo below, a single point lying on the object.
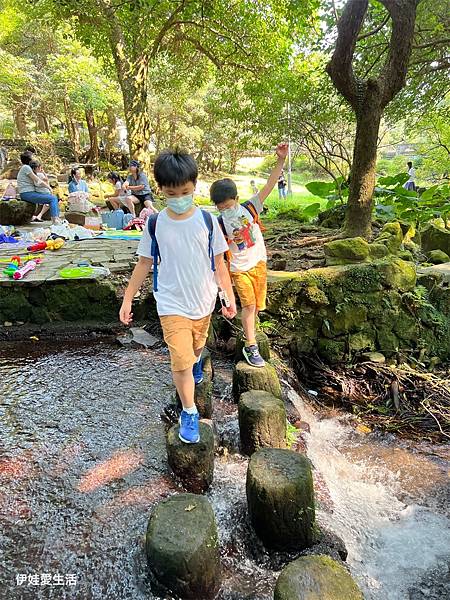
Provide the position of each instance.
(82, 463)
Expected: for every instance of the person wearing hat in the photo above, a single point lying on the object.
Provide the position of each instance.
(137, 183)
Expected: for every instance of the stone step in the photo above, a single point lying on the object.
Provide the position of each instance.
(182, 546)
(262, 421)
(246, 378)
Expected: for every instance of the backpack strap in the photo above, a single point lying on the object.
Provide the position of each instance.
(248, 205)
(207, 217)
(154, 248)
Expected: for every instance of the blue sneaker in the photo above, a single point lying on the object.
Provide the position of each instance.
(252, 356)
(197, 371)
(189, 428)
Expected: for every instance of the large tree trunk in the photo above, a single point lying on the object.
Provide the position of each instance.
(94, 151)
(42, 123)
(19, 118)
(369, 98)
(360, 200)
(72, 129)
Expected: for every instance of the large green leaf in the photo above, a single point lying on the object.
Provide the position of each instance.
(320, 188)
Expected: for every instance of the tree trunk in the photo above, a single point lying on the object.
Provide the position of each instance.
(369, 98)
(19, 118)
(94, 151)
(134, 88)
(72, 130)
(362, 179)
(111, 134)
(42, 123)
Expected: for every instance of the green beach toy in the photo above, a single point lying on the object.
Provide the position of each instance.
(76, 272)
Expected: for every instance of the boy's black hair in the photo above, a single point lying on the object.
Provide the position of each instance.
(175, 168)
(222, 190)
(114, 176)
(26, 157)
(409, 163)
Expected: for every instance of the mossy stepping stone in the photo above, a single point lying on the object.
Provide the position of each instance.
(262, 421)
(280, 498)
(192, 463)
(202, 396)
(246, 378)
(263, 344)
(316, 578)
(182, 546)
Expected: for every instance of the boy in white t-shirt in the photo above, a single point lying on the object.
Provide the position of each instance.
(187, 287)
(247, 252)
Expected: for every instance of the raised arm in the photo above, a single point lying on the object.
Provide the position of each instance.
(281, 152)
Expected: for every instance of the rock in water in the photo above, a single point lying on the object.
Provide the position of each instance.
(246, 378)
(262, 421)
(280, 498)
(263, 344)
(182, 546)
(316, 578)
(192, 463)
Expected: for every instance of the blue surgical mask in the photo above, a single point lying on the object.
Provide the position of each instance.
(232, 213)
(181, 204)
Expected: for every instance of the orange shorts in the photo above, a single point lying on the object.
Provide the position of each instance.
(251, 285)
(184, 337)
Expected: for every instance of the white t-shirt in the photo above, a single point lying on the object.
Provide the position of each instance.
(246, 240)
(412, 175)
(120, 191)
(186, 283)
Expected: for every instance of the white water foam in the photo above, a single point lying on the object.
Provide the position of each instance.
(390, 544)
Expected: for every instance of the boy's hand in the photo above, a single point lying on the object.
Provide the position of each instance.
(125, 314)
(282, 150)
(229, 312)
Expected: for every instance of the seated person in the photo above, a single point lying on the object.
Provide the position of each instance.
(76, 183)
(39, 171)
(27, 184)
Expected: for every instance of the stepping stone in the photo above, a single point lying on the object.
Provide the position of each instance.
(192, 463)
(262, 421)
(182, 547)
(246, 378)
(137, 336)
(280, 498)
(319, 576)
(263, 344)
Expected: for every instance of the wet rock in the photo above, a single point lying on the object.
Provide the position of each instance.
(376, 357)
(262, 421)
(263, 344)
(192, 463)
(318, 577)
(182, 546)
(435, 238)
(208, 368)
(280, 498)
(246, 378)
(16, 212)
(137, 336)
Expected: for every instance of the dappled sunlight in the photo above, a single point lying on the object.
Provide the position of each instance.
(120, 464)
(19, 467)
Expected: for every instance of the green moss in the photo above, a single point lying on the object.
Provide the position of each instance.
(388, 342)
(14, 304)
(363, 340)
(437, 257)
(331, 350)
(391, 236)
(348, 250)
(399, 274)
(377, 250)
(347, 318)
(316, 296)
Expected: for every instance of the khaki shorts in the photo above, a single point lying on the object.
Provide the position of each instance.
(184, 337)
(251, 285)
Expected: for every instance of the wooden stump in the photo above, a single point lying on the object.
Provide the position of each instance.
(316, 577)
(192, 463)
(262, 421)
(263, 344)
(280, 498)
(182, 546)
(246, 378)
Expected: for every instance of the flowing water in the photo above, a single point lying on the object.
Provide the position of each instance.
(82, 463)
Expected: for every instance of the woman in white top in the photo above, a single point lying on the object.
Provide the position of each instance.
(411, 183)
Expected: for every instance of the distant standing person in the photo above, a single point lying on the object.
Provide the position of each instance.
(411, 183)
(254, 187)
(282, 186)
(137, 183)
(27, 181)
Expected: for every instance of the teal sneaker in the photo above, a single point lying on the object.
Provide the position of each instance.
(189, 428)
(197, 371)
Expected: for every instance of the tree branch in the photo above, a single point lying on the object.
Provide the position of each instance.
(374, 31)
(340, 67)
